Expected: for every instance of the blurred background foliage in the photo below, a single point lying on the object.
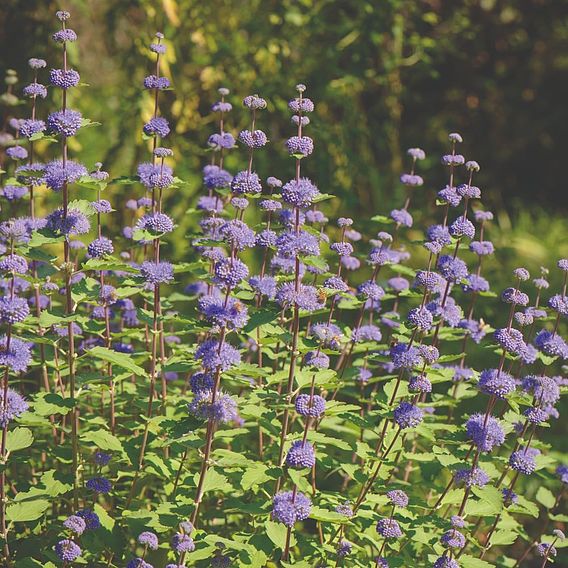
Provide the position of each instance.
(385, 75)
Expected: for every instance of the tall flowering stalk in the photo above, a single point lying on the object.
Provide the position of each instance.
(156, 176)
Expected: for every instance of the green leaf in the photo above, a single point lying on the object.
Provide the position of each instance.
(26, 511)
(467, 561)
(503, 537)
(18, 439)
(47, 404)
(545, 497)
(254, 476)
(103, 440)
(320, 514)
(82, 205)
(55, 484)
(277, 534)
(120, 359)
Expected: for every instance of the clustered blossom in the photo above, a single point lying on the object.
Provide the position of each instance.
(369, 352)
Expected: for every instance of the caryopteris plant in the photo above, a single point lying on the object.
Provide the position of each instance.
(295, 392)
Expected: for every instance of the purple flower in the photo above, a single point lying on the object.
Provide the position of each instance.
(245, 182)
(29, 127)
(485, 432)
(99, 485)
(299, 193)
(419, 383)
(102, 458)
(366, 333)
(101, 206)
(13, 192)
(157, 126)
(255, 139)
(345, 509)
(67, 550)
(223, 409)
(344, 548)
(74, 224)
(301, 455)
(452, 539)
(13, 310)
(212, 356)
(457, 521)
(476, 330)
(468, 191)
(301, 105)
(17, 153)
(312, 406)
(496, 383)
(350, 262)
(445, 562)
(230, 272)
(153, 82)
(420, 318)
(559, 304)
(305, 297)
(157, 223)
(452, 269)
(511, 340)
(17, 357)
(545, 549)
(75, 524)
(292, 244)
(514, 296)
(551, 344)
(138, 563)
(201, 382)
(56, 175)
(475, 283)
(62, 36)
(65, 122)
(15, 405)
(389, 528)
(216, 178)
(300, 146)
(471, 478)
(316, 359)
(404, 356)
(221, 140)
(401, 217)
(182, 543)
(544, 389)
(450, 196)
(91, 518)
(64, 79)
(288, 508)
(254, 102)
(232, 314)
(265, 286)
(398, 498)
(237, 234)
(100, 247)
(407, 415)
(157, 272)
(522, 462)
(398, 284)
(462, 227)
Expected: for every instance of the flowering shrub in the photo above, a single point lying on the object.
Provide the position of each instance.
(284, 398)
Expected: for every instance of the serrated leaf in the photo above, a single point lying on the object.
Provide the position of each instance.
(26, 511)
(103, 440)
(467, 561)
(47, 404)
(277, 534)
(545, 497)
(18, 439)
(120, 359)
